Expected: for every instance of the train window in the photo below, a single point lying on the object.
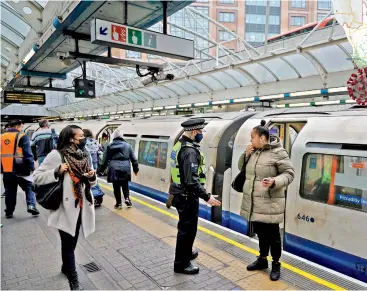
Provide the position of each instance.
(131, 142)
(335, 180)
(30, 133)
(153, 154)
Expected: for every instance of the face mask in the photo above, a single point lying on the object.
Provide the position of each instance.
(198, 137)
(82, 143)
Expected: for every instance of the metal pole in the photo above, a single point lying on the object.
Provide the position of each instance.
(316, 27)
(267, 26)
(84, 68)
(125, 13)
(164, 5)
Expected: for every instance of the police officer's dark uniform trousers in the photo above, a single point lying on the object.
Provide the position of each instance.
(187, 165)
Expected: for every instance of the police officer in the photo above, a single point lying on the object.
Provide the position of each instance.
(188, 178)
(17, 164)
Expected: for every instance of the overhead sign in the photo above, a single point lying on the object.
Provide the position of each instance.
(24, 97)
(145, 41)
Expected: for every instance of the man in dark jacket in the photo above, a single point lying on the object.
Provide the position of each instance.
(117, 157)
(188, 176)
(17, 164)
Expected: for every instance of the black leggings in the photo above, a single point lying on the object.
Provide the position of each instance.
(269, 238)
(68, 245)
(117, 190)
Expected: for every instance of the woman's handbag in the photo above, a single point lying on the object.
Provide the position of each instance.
(49, 196)
(240, 179)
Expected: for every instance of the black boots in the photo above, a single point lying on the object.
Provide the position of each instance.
(262, 263)
(275, 271)
(73, 281)
(259, 264)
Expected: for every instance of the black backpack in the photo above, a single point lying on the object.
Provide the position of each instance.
(51, 142)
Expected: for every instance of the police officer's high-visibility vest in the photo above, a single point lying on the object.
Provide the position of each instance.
(175, 170)
(10, 149)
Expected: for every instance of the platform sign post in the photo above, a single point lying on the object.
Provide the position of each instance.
(126, 37)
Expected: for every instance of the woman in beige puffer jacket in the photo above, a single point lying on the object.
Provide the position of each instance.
(268, 172)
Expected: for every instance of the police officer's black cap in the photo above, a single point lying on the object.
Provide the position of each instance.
(192, 124)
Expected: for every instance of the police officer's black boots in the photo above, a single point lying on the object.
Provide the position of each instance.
(169, 201)
(195, 254)
(259, 264)
(275, 271)
(190, 270)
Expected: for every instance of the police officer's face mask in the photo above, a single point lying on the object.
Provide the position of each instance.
(198, 137)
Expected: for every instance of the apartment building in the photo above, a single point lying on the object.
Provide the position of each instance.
(246, 18)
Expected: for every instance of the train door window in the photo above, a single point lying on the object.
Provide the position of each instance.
(287, 133)
(229, 151)
(30, 133)
(107, 131)
(335, 180)
(153, 154)
(131, 142)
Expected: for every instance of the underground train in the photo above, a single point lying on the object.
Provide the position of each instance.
(327, 146)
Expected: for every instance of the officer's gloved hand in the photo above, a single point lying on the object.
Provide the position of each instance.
(214, 202)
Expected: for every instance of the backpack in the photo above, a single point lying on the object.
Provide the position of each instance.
(51, 142)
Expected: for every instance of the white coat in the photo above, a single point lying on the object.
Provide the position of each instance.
(66, 216)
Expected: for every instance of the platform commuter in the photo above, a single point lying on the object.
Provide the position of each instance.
(188, 176)
(72, 161)
(268, 172)
(17, 165)
(118, 157)
(94, 148)
(43, 141)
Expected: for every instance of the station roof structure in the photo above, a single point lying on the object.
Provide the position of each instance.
(311, 62)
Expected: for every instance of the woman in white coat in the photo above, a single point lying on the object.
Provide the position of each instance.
(76, 207)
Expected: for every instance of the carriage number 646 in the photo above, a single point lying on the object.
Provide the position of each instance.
(305, 218)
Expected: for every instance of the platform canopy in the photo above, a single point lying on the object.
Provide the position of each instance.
(308, 62)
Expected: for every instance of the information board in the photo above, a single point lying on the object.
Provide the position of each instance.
(24, 97)
(145, 41)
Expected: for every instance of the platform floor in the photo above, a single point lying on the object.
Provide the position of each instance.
(134, 249)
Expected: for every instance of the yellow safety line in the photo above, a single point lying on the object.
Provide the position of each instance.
(239, 245)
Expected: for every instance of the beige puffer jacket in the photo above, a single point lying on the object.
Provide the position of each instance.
(260, 203)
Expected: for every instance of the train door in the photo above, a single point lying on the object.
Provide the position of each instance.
(326, 218)
(287, 131)
(223, 171)
(152, 158)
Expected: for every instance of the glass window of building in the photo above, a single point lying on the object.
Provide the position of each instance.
(298, 3)
(273, 3)
(225, 35)
(200, 26)
(153, 154)
(255, 36)
(226, 16)
(226, 1)
(324, 4)
(335, 180)
(298, 20)
(261, 19)
(320, 16)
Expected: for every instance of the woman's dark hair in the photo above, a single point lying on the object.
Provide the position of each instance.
(88, 133)
(65, 135)
(262, 129)
(104, 135)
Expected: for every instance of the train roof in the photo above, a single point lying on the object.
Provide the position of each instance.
(327, 111)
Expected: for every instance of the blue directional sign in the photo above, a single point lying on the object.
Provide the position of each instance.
(103, 30)
(132, 38)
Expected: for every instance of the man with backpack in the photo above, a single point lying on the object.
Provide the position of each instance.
(43, 141)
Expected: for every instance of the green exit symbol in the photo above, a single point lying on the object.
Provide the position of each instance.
(135, 37)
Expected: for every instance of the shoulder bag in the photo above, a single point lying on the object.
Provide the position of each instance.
(240, 179)
(49, 196)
